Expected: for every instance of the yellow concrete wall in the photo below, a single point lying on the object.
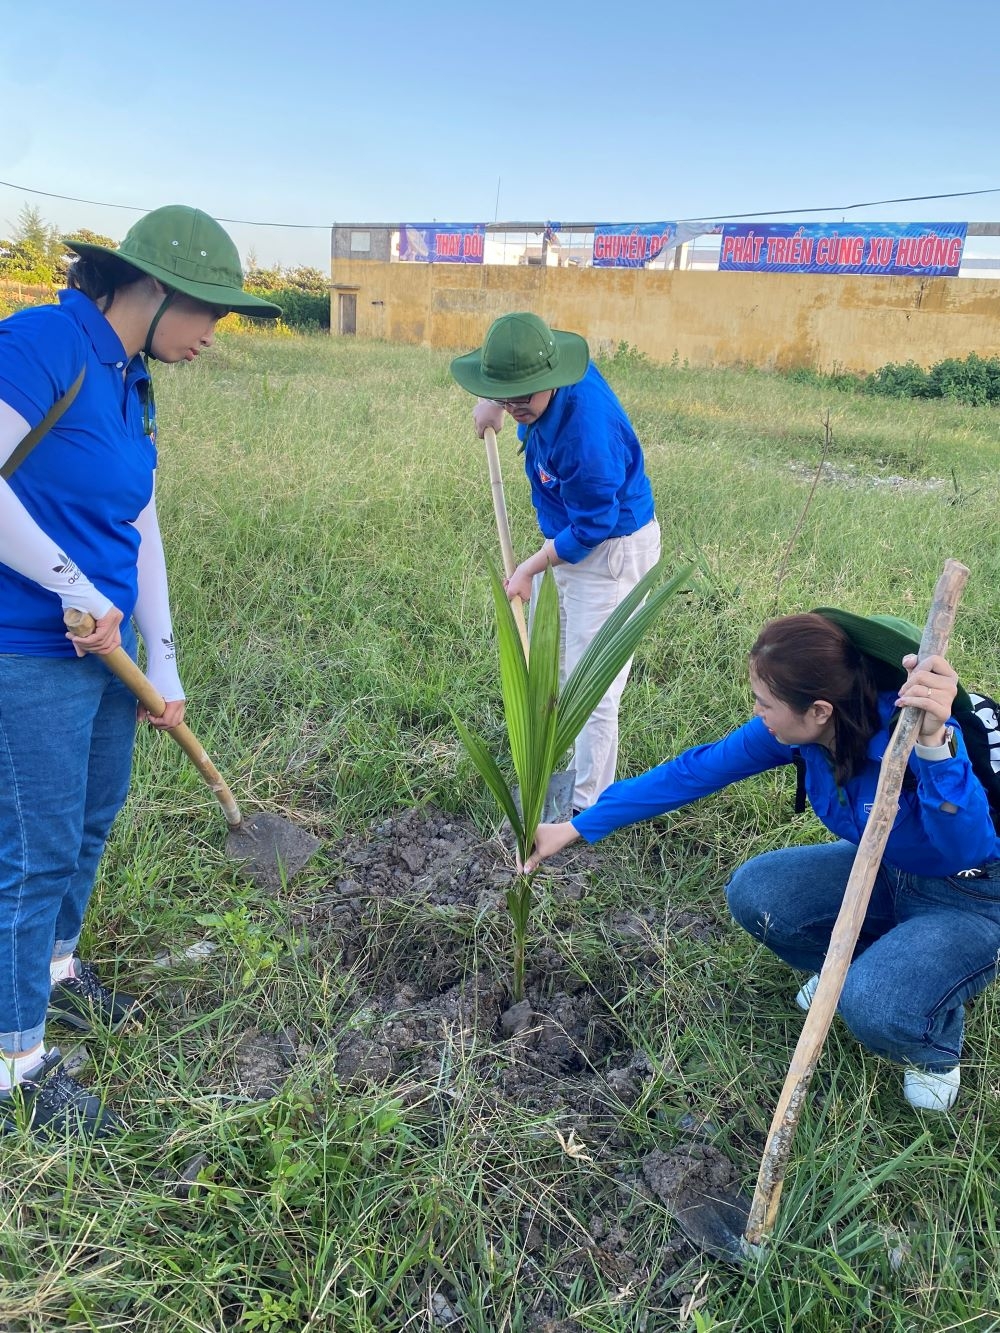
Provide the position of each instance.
(708, 319)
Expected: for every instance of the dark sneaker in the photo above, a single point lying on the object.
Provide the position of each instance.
(84, 1003)
(50, 1104)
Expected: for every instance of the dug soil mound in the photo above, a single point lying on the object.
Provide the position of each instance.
(417, 916)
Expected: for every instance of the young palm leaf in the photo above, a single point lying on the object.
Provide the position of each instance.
(530, 700)
(611, 648)
(541, 724)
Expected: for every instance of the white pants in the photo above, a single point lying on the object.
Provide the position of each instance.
(588, 592)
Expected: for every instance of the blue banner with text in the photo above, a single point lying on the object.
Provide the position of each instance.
(442, 243)
(893, 249)
(631, 245)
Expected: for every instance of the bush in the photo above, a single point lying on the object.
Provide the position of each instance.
(899, 380)
(624, 355)
(305, 311)
(303, 294)
(976, 380)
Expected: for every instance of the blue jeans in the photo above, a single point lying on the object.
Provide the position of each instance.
(67, 728)
(926, 945)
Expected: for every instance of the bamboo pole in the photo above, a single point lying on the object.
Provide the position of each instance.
(503, 529)
(81, 623)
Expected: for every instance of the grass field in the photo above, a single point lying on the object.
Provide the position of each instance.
(327, 517)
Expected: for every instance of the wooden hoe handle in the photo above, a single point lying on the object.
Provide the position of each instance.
(81, 623)
(503, 529)
(867, 860)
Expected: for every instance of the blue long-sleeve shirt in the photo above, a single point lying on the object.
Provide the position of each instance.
(586, 469)
(924, 840)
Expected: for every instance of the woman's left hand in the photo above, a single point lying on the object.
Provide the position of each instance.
(170, 717)
(931, 686)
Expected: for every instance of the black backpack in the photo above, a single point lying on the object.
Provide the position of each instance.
(981, 732)
(980, 726)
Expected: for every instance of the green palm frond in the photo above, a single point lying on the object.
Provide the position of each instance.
(543, 701)
(611, 648)
(513, 679)
(489, 771)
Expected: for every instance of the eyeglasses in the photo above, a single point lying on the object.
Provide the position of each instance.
(512, 403)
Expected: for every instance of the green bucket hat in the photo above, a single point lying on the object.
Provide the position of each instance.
(887, 640)
(521, 355)
(189, 252)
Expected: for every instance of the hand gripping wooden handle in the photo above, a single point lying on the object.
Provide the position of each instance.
(503, 529)
(81, 623)
(867, 860)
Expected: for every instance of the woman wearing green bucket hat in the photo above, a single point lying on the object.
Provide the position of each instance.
(826, 688)
(78, 528)
(590, 490)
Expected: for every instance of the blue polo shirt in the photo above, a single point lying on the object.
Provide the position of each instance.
(586, 469)
(87, 481)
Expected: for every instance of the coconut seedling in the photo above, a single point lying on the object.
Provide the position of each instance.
(542, 723)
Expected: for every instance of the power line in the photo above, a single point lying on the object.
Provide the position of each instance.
(838, 208)
(133, 208)
(700, 217)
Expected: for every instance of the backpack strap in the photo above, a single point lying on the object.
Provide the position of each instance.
(42, 429)
(800, 782)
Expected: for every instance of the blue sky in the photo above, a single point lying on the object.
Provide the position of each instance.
(313, 113)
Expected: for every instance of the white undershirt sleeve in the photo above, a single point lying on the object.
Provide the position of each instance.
(25, 548)
(152, 609)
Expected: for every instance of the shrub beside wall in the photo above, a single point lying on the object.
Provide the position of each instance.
(303, 294)
(305, 311)
(972, 379)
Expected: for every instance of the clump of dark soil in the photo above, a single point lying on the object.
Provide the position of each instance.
(682, 1178)
(262, 1061)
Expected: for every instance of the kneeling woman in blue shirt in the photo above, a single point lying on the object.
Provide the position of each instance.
(931, 937)
(78, 528)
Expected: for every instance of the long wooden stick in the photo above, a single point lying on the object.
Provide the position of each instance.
(81, 623)
(857, 895)
(503, 529)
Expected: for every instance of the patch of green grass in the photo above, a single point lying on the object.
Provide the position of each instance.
(327, 516)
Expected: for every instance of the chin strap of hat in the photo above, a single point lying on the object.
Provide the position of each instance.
(147, 348)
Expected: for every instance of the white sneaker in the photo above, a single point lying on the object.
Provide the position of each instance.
(805, 996)
(932, 1090)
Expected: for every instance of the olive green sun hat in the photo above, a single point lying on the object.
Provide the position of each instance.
(190, 253)
(887, 640)
(520, 355)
